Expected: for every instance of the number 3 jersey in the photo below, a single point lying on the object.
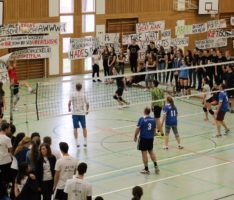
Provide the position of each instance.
(147, 127)
(171, 115)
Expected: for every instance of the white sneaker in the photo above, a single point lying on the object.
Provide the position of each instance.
(15, 109)
(143, 171)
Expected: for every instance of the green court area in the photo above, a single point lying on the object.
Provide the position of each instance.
(203, 170)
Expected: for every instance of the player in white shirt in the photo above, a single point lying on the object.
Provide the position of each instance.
(5, 156)
(80, 108)
(78, 188)
(64, 169)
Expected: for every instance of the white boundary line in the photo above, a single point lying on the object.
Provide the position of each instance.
(167, 178)
(163, 160)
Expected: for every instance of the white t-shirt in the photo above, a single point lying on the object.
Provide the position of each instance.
(95, 59)
(78, 189)
(67, 167)
(5, 145)
(47, 175)
(206, 89)
(56, 153)
(79, 101)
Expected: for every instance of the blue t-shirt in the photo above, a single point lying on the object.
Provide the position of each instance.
(223, 98)
(183, 73)
(147, 127)
(171, 114)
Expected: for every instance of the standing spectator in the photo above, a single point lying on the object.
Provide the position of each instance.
(95, 65)
(213, 59)
(105, 57)
(137, 193)
(229, 84)
(17, 140)
(150, 67)
(26, 186)
(161, 60)
(195, 63)
(80, 108)
(2, 101)
(184, 78)
(121, 61)
(55, 152)
(157, 104)
(133, 54)
(78, 188)
(112, 59)
(170, 116)
(221, 110)
(188, 62)
(200, 69)
(177, 62)
(219, 70)
(5, 158)
(65, 168)
(33, 154)
(146, 127)
(168, 63)
(45, 171)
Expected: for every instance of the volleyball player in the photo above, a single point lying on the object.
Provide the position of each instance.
(170, 118)
(146, 127)
(207, 99)
(222, 108)
(121, 84)
(183, 78)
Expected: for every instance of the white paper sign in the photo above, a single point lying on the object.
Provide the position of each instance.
(150, 26)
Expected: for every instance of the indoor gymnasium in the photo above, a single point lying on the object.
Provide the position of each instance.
(116, 99)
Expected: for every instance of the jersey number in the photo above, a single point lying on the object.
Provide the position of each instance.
(149, 126)
(173, 113)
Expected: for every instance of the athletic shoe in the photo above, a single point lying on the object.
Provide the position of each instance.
(94, 81)
(218, 136)
(15, 109)
(78, 146)
(156, 170)
(85, 145)
(165, 147)
(227, 132)
(143, 171)
(99, 80)
(180, 147)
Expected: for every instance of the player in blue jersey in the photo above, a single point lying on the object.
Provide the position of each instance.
(222, 108)
(170, 118)
(146, 127)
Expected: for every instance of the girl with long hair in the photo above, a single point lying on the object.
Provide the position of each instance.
(2, 101)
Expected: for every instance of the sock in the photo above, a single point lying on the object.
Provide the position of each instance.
(29, 89)
(146, 168)
(155, 164)
(85, 140)
(77, 143)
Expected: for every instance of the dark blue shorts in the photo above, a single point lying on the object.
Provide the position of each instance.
(77, 120)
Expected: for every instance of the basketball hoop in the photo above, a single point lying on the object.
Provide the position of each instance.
(212, 13)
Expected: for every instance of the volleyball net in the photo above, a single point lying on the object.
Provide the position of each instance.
(52, 97)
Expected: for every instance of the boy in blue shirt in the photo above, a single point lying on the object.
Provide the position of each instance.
(146, 127)
(170, 116)
(222, 108)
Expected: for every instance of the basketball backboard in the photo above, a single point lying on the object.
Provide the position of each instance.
(208, 7)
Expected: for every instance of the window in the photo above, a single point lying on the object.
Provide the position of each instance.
(66, 66)
(88, 23)
(69, 21)
(66, 6)
(66, 45)
(88, 6)
(88, 64)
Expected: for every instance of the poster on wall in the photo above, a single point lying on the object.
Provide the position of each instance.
(1, 13)
(28, 41)
(190, 29)
(211, 43)
(140, 37)
(219, 33)
(81, 53)
(232, 21)
(150, 26)
(32, 53)
(166, 34)
(32, 28)
(108, 38)
(78, 43)
(216, 24)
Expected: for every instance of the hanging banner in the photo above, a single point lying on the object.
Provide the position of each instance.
(166, 34)
(183, 30)
(32, 28)
(232, 21)
(78, 43)
(150, 26)
(180, 42)
(211, 43)
(199, 28)
(216, 24)
(108, 38)
(219, 33)
(32, 53)
(140, 37)
(3, 72)
(81, 53)
(28, 41)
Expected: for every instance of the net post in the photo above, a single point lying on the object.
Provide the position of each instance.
(36, 101)
(11, 103)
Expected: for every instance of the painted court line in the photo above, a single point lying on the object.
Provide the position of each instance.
(163, 160)
(167, 178)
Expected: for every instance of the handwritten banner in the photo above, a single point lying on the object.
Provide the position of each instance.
(199, 28)
(28, 41)
(32, 53)
(191, 29)
(81, 53)
(232, 21)
(78, 43)
(32, 28)
(3, 72)
(211, 43)
(150, 26)
(218, 33)
(108, 38)
(180, 42)
(166, 34)
(216, 24)
(140, 37)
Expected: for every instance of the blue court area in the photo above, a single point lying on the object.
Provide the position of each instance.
(203, 170)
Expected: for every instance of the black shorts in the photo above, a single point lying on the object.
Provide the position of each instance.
(183, 78)
(210, 100)
(145, 144)
(119, 91)
(157, 111)
(60, 195)
(15, 89)
(230, 94)
(220, 116)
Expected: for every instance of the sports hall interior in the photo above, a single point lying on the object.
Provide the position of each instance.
(203, 170)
